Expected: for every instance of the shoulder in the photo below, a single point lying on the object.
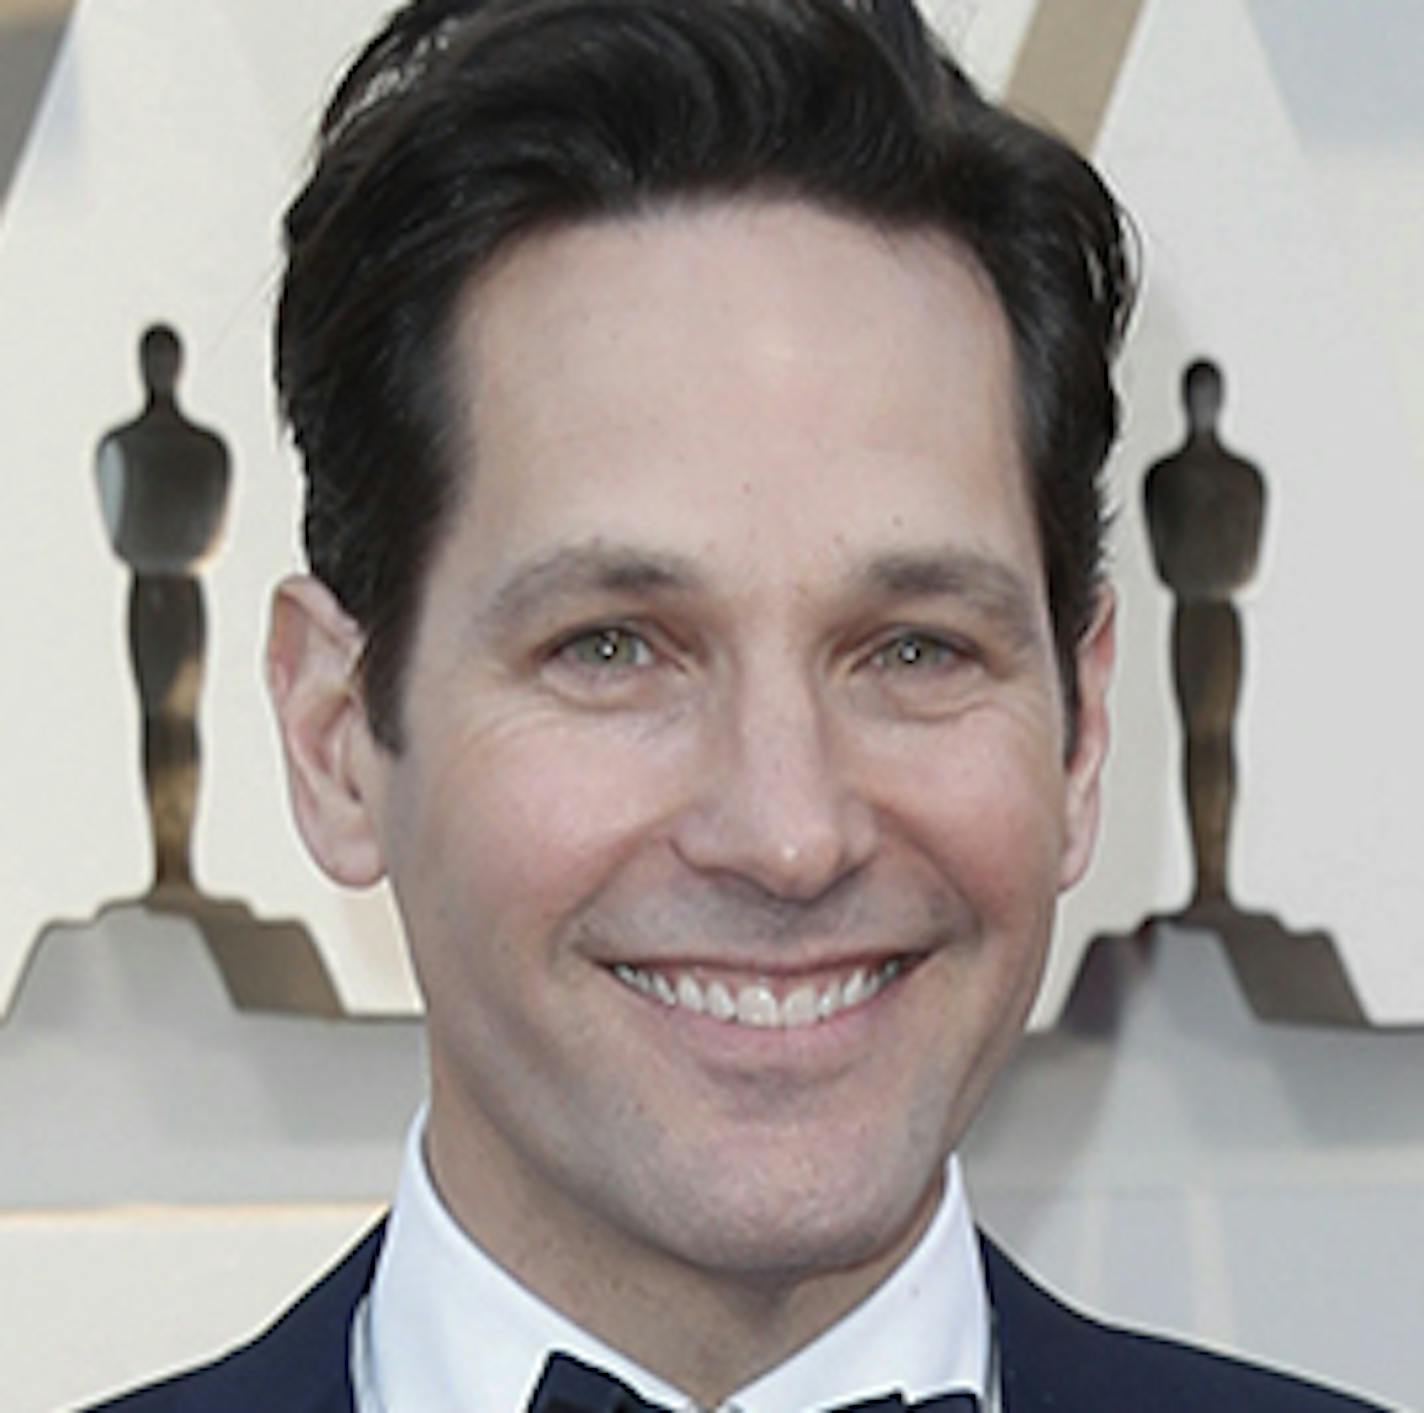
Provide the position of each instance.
(1053, 1357)
(297, 1365)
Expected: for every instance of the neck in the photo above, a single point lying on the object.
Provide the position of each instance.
(708, 1331)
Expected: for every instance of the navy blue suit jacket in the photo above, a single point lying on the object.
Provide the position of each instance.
(1052, 1360)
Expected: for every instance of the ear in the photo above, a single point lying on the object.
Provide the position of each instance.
(335, 767)
(1094, 660)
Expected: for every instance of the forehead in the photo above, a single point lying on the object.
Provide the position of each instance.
(646, 368)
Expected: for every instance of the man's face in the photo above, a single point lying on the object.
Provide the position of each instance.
(734, 801)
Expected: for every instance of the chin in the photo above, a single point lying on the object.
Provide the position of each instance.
(769, 1222)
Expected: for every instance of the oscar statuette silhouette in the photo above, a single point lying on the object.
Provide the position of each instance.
(163, 485)
(1205, 509)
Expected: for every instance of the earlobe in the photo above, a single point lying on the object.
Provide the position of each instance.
(1095, 655)
(334, 766)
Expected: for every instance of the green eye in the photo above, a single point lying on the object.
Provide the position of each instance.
(918, 651)
(608, 647)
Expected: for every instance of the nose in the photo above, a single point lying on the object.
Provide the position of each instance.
(776, 804)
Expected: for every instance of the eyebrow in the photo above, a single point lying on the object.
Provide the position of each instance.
(575, 571)
(988, 585)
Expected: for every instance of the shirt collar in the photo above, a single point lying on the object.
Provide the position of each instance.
(447, 1327)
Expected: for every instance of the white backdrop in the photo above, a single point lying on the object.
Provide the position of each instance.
(172, 135)
(174, 131)
(1258, 255)
(1272, 152)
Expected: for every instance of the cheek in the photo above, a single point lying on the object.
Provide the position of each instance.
(989, 811)
(521, 824)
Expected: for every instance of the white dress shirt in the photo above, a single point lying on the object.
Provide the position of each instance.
(445, 1329)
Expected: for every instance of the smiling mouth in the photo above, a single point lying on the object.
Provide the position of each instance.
(762, 1002)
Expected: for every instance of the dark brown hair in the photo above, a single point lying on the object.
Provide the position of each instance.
(466, 124)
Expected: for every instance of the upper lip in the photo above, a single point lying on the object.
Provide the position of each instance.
(779, 967)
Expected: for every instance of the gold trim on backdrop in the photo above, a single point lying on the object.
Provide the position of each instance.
(30, 33)
(1069, 63)
(28, 11)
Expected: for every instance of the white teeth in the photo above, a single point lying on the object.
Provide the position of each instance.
(756, 1004)
(720, 1003)
(799, 1008)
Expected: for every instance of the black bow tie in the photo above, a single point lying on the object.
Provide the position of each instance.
(570, 1386)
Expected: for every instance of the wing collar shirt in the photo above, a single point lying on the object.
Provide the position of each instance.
(446, 1327)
